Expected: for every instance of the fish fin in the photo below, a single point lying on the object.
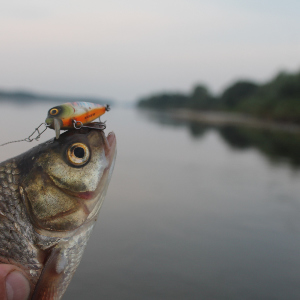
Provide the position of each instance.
(49, 285)
(57, 127)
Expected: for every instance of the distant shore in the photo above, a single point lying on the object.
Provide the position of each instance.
(224, 118)
(274, 102)
(25, 97)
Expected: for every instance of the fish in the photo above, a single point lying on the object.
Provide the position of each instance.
(50, 197)
(73, 115)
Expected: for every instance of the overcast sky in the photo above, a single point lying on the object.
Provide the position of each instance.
(125, 49)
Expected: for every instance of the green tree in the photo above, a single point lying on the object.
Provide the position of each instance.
(237, 92)
(164, 101)
(201, 98)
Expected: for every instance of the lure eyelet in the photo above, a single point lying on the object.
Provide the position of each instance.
(77, 124)
(78, 154)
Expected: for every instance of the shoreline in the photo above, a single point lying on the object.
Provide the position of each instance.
(224, 118)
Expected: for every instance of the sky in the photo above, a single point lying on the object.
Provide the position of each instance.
(125, 50)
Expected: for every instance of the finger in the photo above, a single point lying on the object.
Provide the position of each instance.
(13, 284)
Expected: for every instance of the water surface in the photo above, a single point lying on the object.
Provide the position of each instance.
(192, 212)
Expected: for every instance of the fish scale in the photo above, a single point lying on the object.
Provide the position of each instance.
(72, 252)
(15, 225)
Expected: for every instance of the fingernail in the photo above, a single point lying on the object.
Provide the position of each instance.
(17, 286)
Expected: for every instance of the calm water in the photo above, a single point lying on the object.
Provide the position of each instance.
(192, 212)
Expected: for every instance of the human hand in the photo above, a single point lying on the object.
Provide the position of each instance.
(13, 284)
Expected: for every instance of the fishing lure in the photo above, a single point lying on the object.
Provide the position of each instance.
(74, 115)
(67, 116)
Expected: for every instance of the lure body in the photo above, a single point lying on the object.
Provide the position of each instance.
(69, 115)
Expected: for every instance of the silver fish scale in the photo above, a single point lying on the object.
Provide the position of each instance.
(17, 237)
(71, 256)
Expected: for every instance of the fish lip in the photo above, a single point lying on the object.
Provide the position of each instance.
(88, 195)
(110, 143)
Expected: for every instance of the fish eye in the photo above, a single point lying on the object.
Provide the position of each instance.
(53, 111)
(78, 154)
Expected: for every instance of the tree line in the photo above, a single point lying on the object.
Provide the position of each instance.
(277, 99)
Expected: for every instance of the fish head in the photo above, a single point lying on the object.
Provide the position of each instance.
(64, 181)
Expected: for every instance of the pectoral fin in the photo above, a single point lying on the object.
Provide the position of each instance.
(50, 284)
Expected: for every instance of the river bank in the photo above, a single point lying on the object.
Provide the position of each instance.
(224, 118)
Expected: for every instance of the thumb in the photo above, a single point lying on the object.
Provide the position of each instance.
(13, 284)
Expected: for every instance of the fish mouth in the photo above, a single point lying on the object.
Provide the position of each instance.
(85, 195)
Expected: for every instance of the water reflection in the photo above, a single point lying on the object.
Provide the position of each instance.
(276, 145)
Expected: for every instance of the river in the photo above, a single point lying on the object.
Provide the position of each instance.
(192, 211)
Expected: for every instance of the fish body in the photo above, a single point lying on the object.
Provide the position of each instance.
(50, 197)
(63, 117)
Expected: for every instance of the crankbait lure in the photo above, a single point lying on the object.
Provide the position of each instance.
(67, 116)
(73, 115)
